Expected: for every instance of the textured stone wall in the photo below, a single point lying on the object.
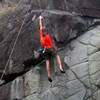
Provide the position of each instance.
(78, 57)
(62, 27)
(81, 81)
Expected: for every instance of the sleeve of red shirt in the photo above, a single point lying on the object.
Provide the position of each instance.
(41, 33)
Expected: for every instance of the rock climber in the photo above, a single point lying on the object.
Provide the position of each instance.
(48, 49)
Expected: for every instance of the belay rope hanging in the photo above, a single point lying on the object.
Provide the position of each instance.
(15, 44)
(12, 50)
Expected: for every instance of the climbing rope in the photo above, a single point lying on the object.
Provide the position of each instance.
(15, 44)
(12, 49)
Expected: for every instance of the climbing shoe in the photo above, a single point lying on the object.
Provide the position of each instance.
(62, 71)
(49, 79)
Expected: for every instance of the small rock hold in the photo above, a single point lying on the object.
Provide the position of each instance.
(1, 82)
(10, 26)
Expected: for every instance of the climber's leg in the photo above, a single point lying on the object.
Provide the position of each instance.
(48, 67)
(48, 70)
(60, 65)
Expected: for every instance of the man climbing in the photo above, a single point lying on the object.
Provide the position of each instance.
(48, 49)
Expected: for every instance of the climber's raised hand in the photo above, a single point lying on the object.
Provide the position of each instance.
(40, 17)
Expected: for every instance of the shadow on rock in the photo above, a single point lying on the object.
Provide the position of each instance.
(27, 64)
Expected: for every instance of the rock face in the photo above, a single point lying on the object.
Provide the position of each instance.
(22, 30)
(85, 7)
(78, 57)
(81, 81)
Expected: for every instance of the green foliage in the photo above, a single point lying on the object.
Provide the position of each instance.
(5, 12)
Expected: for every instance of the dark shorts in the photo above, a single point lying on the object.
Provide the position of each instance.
(50, 52)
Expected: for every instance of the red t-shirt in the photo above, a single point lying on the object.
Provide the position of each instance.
(45, 40)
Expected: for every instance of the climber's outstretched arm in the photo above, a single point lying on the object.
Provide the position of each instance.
(40, 21)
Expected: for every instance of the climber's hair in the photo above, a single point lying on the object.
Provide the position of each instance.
(44, 29)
